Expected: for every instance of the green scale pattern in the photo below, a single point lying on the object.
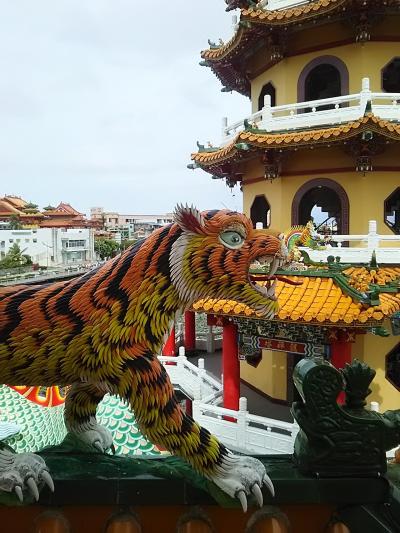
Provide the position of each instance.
(44, 426)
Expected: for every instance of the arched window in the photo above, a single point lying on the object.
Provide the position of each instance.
(326, 203)
(391, 76)
(323, 77)
(267, 89)
(260, 211)
(323, 81)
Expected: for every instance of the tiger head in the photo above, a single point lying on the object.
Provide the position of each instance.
(212, 256)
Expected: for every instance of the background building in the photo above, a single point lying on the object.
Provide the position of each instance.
(129, 227)
(51, 247)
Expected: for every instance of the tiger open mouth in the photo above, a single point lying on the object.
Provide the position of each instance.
(263, 271)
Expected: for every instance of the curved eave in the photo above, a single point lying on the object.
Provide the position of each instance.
(226, 61)
(297, 139)
(318, 300)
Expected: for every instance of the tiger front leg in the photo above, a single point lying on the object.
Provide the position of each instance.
(80, 416)
(162, 420)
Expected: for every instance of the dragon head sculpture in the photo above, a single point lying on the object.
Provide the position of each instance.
(212, 256)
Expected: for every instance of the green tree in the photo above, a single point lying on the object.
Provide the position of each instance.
(126, 243)
(14, 222)
(14, 258)
(106, 248)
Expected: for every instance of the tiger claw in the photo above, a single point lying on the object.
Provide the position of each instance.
(48, 480)
(98, 446)
(257, 494)
(18, 492)
(241, 496)
(30, 482)
(267, 481)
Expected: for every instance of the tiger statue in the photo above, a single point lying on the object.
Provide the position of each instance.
(100, 334)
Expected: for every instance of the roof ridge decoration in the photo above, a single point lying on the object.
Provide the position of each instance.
(326, 296)
(252, 139)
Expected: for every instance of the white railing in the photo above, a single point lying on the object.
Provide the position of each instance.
(248, 433)
(193, 380)
(313, 113)
(244, 432)
(274, 5)
(363, 254)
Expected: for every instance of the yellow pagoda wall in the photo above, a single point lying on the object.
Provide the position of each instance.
(373, 350)
(270, 376)
(366, 60)
(366, 193)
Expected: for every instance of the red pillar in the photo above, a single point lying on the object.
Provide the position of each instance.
(340, 355)
(230, 366)
(189, 407)
(190, 331)
(169, 346)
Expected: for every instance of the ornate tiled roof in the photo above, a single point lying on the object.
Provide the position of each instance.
(257, 24)
(256, 139)
(324, 298)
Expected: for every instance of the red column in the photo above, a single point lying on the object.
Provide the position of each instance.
(189, 407)
(340, 355)
(230, 366)
(190, 331)
(169, 346)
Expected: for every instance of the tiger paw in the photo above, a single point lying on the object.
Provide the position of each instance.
(96, 436)
(241, 476)
(23, 473)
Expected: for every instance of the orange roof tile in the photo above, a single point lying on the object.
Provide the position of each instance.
(282, 17)
(318, 300)
(298, 138)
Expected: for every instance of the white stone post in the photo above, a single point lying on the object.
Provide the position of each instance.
(201, 373)
(224, 124)
(266, 115)
(374, 406)
(210, 344)
(242, 423)
(365, 95)
(373, 237)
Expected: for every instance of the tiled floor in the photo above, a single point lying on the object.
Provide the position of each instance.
(257, 404)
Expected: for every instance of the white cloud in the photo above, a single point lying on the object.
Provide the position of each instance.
(102, 101)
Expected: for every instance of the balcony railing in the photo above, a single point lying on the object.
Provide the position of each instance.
(317, 113)
(275, 5)
(360, 254)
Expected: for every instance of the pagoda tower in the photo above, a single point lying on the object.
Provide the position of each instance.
(322, 139)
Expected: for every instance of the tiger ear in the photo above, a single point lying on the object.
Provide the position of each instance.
(189, 219)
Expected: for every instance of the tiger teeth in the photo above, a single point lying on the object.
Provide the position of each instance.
(274, 267)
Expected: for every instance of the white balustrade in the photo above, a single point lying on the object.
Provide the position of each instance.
(317, 113)
(359, 254)
(275, 5)
(247, 433)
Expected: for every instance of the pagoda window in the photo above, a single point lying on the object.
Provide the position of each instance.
(391, 76)
(324, 202)
(260, 211)
(267, 89)
(392, 211)
(323, 77)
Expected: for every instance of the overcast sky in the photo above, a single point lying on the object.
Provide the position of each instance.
(102, 101)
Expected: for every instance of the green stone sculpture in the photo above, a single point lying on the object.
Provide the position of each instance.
(335, 440)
